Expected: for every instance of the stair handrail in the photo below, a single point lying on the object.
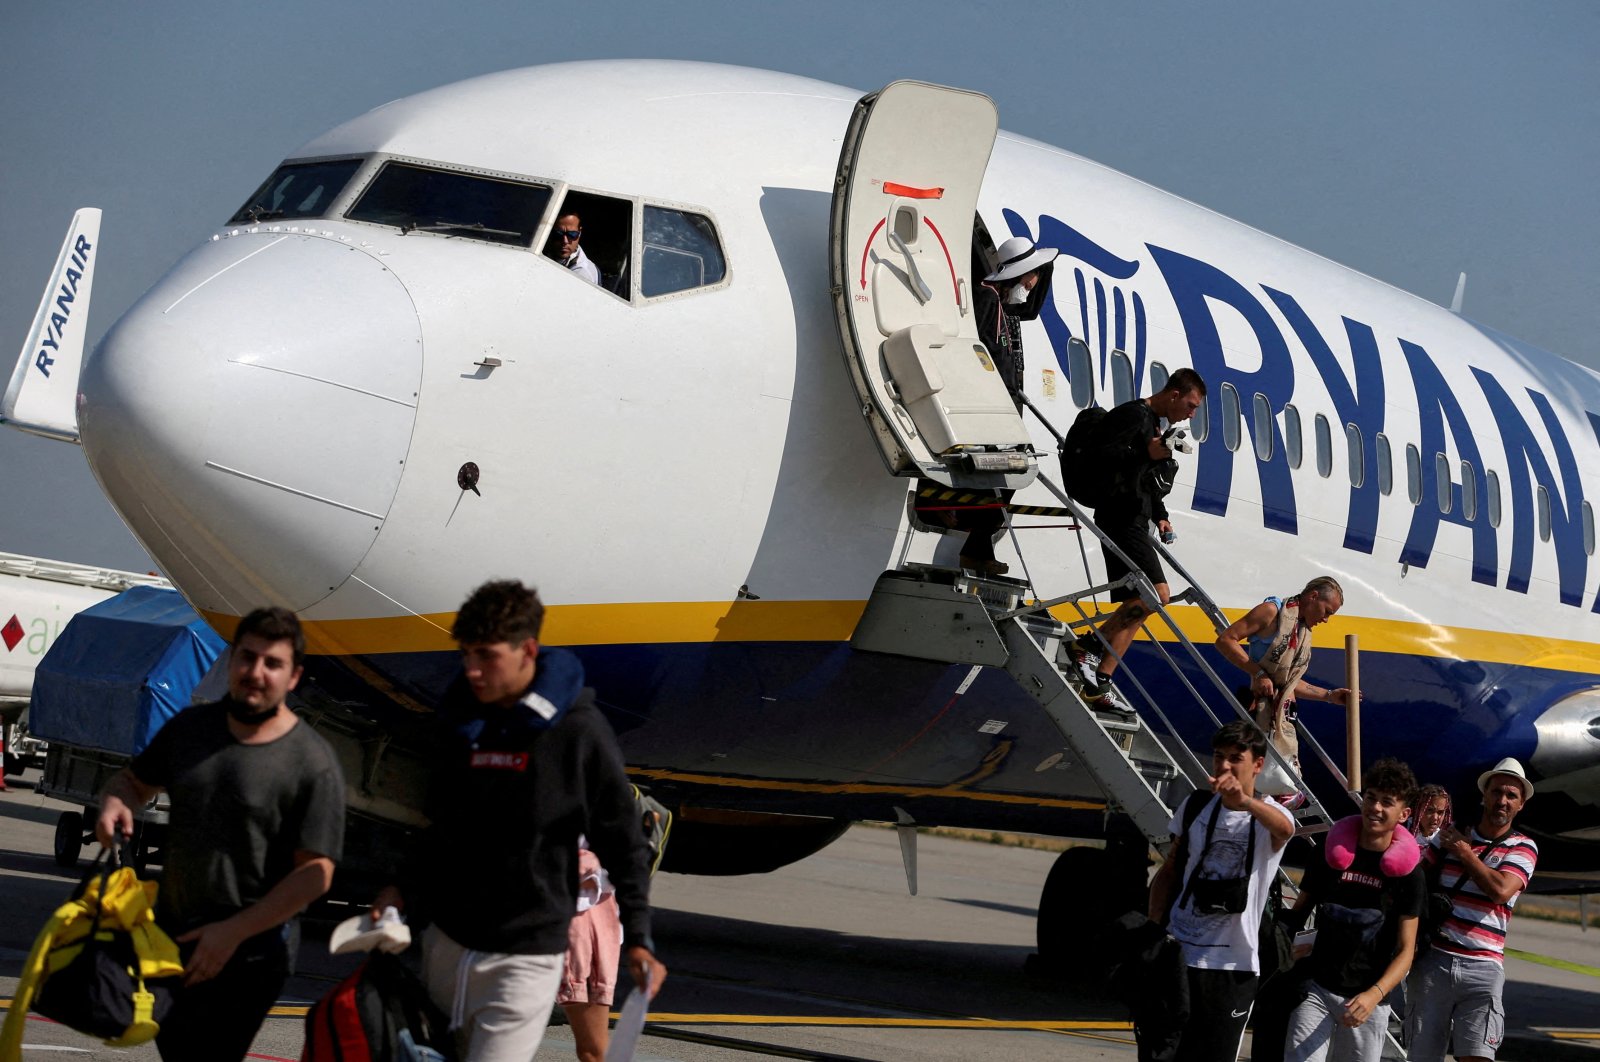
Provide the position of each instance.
(1327, 761)
(1197, 593)
(1220, 621)
(1051, 428)
(1153, 602)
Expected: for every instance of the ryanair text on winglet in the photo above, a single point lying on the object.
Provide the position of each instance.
(77, 266)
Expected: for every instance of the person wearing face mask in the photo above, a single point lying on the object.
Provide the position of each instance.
(257, 824)
(1015, 291)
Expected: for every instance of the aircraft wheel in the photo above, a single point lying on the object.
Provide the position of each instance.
(69, 838)
(1063, 915)
(1087, 889)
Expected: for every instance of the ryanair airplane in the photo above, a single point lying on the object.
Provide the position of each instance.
(378, 384)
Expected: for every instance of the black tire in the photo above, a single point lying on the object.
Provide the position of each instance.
(69, 838)
(1067, 904)
(1086, 891)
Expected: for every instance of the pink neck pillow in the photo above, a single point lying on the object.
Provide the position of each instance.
(1398, 860)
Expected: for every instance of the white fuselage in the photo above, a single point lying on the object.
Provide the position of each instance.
(283, 416)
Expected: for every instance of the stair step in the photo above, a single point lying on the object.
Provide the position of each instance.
(1155, 770)
(1127, 724)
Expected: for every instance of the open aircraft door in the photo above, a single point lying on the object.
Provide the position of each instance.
(900, 237)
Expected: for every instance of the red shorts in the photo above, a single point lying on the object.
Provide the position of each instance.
(594, 948)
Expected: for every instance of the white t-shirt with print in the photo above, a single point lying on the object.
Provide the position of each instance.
(1224, 941)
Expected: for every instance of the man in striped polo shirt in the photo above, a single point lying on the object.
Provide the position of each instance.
(1456, 986)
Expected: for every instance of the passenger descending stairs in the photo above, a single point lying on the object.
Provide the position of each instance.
(957, 617)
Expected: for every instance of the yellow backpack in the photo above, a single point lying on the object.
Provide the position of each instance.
(107, 927)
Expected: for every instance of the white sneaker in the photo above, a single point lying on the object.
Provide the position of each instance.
(1085, 665)
(1113, 700)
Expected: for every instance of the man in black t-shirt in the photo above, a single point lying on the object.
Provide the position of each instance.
(257, 824)
(1367, 911)
(1127, 444)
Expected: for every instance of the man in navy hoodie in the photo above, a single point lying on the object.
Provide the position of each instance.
(526, 766)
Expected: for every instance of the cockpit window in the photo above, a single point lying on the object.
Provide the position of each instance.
(297, 190)
(419, 199)
(681, 251)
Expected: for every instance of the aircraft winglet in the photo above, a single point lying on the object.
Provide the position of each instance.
(42, 397)
(1461, 292)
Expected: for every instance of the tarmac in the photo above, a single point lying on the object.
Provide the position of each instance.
(829, 958)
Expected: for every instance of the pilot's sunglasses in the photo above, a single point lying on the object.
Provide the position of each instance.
(569, 234)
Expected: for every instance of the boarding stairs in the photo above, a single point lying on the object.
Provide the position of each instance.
(1138, 760)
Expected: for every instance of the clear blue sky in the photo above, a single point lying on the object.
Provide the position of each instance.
(1410, 141)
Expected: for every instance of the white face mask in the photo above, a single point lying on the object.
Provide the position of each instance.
(1017, 295)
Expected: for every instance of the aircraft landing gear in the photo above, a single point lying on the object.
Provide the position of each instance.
(1088, 889)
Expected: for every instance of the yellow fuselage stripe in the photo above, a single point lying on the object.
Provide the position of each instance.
(699, 622)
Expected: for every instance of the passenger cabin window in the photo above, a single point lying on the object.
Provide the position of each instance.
(1469, 491)
(1385, 465)
(1292, 445)
(1121, 378)
(1200, 423)
(1230, 416)
(1413, 473)
(604, 225)
(1158, 377)
(681, 251)
(1543, 498)
(1441, 475)
(1355, 454)
(1587, 511)
(1324, 447)
(466, 206)
(1263, 427)
(1493, 490)
(297, 190)
(1080, 367)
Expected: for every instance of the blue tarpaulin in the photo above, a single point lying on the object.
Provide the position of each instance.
(120, 669)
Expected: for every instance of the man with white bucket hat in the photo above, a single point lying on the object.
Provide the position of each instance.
(1456, 986)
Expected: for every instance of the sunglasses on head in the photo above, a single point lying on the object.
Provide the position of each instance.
(569, 234)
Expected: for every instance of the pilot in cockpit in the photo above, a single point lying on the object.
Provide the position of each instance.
(569, 230)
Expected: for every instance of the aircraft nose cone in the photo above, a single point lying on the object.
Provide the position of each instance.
(250, 416)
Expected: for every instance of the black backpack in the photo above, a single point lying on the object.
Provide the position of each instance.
(1088, 481)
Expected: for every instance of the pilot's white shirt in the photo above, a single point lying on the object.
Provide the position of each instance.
(579, 263)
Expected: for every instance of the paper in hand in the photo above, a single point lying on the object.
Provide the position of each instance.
(629, 1027)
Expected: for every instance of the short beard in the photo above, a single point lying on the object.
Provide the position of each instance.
(242, 714)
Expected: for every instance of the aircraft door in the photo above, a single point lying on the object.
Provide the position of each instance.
(900, 239)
